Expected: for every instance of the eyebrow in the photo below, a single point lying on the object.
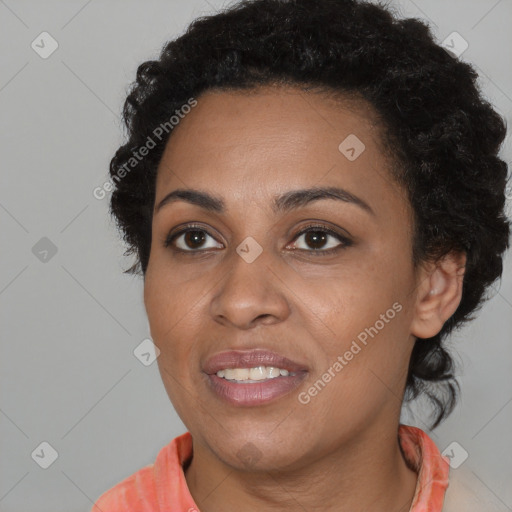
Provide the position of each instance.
(286, 202)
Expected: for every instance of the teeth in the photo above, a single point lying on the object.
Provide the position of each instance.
(251, 375)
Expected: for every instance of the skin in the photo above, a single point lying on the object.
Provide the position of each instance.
(339, 451)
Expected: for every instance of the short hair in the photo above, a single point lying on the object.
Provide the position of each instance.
(443, 136)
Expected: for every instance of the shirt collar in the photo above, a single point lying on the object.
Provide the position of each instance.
(420, 452)
(423, 456)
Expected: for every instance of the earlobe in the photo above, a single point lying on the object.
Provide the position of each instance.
(439, 294)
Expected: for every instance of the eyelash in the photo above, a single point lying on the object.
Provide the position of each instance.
(345, 242)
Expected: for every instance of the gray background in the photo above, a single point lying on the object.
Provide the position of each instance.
(70, 324)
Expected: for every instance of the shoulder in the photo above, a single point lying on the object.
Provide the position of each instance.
(467, 493)
(154, 486)
(134, 493)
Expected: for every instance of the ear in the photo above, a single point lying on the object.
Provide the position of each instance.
(438, 294)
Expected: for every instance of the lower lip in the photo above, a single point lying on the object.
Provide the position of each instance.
(255, 393)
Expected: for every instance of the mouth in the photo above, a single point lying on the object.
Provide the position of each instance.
(251, 378)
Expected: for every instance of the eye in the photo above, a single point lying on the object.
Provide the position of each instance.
(317, 236)
(190, 239)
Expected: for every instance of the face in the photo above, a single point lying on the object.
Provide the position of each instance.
(327, 283)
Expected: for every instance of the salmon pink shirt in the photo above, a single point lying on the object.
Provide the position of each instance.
(162, 487)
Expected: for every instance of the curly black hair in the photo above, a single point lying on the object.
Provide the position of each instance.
(443, 136)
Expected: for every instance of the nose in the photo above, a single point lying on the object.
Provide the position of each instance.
(251, 293)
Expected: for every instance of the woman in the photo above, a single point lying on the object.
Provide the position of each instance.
(314, 198)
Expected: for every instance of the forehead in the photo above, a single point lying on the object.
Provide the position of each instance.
(264, 141)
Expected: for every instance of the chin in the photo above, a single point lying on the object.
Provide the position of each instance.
(255, 450)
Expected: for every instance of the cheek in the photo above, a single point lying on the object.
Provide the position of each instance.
(364, 371)
(354, 298)
(169, 301)
(171, 322)
(168, 316)
(364, 321)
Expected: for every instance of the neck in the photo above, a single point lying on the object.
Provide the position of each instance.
(370, 475)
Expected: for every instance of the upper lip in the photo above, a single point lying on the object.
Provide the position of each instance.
(250, 359)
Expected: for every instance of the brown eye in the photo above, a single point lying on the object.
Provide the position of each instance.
(194, 239)
(191, 239)
(320, 240)
(316, 239)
